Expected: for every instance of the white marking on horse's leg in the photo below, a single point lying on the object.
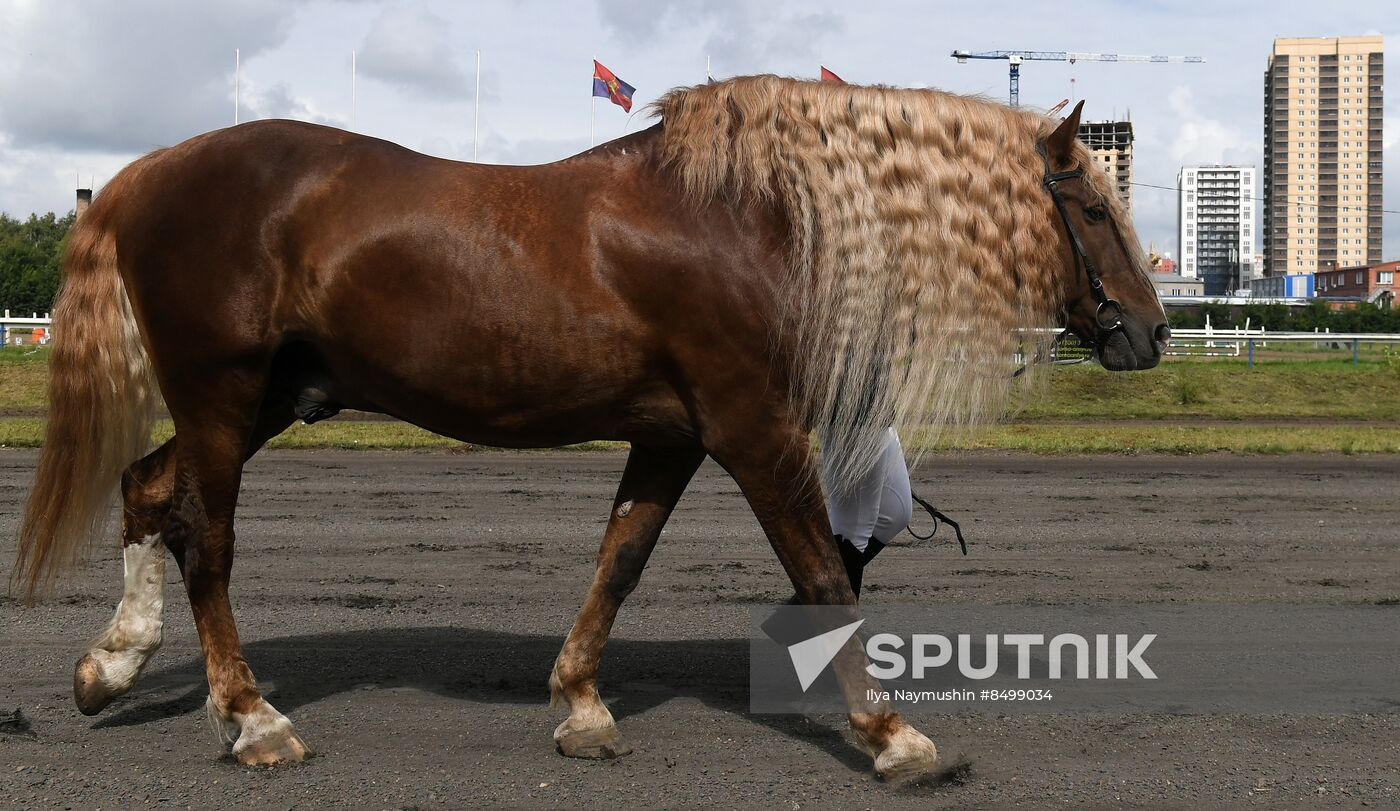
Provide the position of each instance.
(261, 736)
(116, 658)
(907, 754)
(589, 731)
(266, 737)
(586, 709)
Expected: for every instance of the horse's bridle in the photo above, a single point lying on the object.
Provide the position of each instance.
(1109, 315)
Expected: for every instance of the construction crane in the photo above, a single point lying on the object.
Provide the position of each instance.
(1015, 58)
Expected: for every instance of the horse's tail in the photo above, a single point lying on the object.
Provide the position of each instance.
(101, 403)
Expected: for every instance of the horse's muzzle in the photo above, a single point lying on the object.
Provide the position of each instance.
(1132, 348)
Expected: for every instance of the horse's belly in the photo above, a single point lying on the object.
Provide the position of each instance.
(501, 395)
(550, 418)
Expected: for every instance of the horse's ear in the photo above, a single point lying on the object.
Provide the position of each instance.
(1060, 144)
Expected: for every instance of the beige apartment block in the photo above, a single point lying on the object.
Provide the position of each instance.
(1322, 153)
(1111, 144)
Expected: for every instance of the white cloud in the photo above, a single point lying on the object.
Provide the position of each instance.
(277, 100)
(411, 47)
(129, 76)
(1196, 137)
(742, 36)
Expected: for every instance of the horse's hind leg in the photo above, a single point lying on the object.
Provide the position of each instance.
(115, 659)
(651, 485)
(216, 436)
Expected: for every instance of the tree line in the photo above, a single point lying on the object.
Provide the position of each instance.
(29, 255)
(1317, 316)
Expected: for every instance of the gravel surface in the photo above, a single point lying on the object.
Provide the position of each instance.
(404, 609)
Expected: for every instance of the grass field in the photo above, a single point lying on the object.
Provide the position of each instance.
(1196, 389)
(1186, 406)
(23, 375)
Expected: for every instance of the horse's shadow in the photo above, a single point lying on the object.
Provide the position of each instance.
(489, 667)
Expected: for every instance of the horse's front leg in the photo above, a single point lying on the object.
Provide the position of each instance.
(651, 485)
(772, 463)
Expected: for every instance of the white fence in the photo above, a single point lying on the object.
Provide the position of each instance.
(27, 326)
(1212, 342)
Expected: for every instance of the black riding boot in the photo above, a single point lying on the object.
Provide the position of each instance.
(791, 630)
(872, 548)
(856, 560)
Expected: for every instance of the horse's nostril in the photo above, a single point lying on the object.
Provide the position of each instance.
(1163, 336)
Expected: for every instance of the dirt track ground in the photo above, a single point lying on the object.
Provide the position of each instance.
(404, 610)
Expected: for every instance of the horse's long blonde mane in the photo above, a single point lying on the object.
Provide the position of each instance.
(922, 246)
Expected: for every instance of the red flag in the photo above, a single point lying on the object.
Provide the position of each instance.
(607, 85)
(828, 76)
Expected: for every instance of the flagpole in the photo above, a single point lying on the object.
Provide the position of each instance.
(237, 66)
(708, 76)
(352, 88)
(592, 105)
(476, 116)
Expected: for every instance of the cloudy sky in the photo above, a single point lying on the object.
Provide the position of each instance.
(87, 86)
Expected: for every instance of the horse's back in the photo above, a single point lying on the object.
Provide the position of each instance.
(442, 292)
(295, 221)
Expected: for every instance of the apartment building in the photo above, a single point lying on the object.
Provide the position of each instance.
(1215, 225)
(1322, 153)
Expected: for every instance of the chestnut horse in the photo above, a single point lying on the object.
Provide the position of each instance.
(754, 266)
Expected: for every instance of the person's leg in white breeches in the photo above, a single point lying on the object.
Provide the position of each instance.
(868, 514)
(864, 517)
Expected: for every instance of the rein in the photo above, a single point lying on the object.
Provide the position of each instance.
(938, 519)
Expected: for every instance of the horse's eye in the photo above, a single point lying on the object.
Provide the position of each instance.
(1096, 213)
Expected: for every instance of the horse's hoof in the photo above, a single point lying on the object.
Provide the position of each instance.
(90, 691)
(287, 747)
(602, 743)
(265, 737)
(908, 756)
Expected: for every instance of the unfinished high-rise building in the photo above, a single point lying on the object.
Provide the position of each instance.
(1322, 153)
(1111, 144)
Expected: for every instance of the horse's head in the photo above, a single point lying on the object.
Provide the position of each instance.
(1109, 299)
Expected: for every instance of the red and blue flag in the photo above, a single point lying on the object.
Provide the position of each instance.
(607, 85)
